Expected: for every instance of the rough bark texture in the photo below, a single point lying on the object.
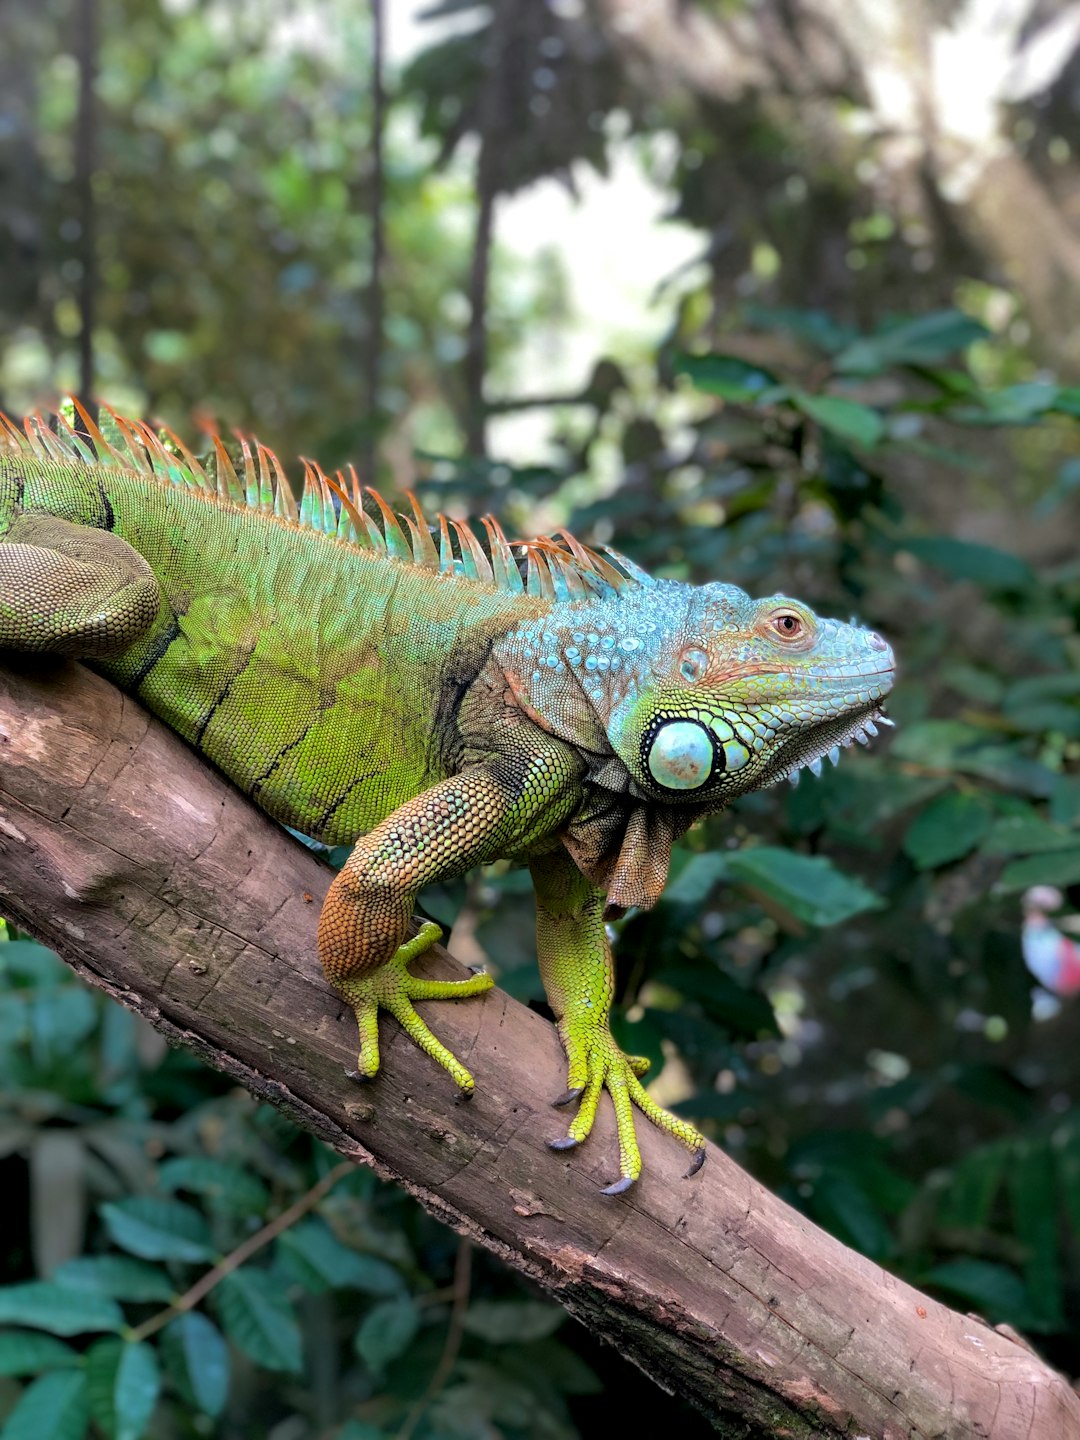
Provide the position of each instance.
(158, 882)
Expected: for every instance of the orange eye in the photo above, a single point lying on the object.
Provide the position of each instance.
(787, 625)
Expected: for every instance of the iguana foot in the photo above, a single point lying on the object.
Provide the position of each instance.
(597, 1064)
(391, 987)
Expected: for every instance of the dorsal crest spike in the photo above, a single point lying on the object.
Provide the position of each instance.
(395, 543)
(554, 567)
(423, 547)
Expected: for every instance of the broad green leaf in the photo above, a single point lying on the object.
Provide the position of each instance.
(115, 1275)
(1030, 1181)
(258, 1317)
(816, 326)
(972, 1187)
(858, 424)
(1026, 834)
(230, 1187)
(1015, 405)
(938, 744)
(1059, 867)
(513, 1322)
(361, 1430)
(950, 827)
(196, 1359)
(158, 1229)
(724, 1000)
(843, 1207)
(54, 1407)
(999, 1293)
(725, 375)
(387, 1331)
(965, 560)
(122, 1385)
(694, 882)
(809, 886)
(315, 1257)
(58, 1309)
(921, 341)
(1065, 800)
(24, 1352)
(32, 964)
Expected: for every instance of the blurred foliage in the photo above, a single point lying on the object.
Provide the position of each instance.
(898, 453)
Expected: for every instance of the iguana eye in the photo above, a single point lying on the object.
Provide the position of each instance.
(692, 664)
(680, 755)
(787, 624)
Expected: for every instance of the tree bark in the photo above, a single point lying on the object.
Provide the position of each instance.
(158, 882)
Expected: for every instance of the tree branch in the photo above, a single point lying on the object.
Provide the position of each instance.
(158, 882)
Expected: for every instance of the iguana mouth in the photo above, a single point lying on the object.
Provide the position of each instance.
(827, 740)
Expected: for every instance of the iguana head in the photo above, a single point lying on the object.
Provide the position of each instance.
(738, 693)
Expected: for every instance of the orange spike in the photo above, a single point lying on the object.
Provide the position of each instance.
(350, 509)
(469, 542)
(424, 552)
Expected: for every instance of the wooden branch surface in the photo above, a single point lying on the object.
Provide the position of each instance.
(158, 881)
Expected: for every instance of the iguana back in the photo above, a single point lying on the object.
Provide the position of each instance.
(323, 677)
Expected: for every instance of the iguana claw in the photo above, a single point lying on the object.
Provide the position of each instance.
(391, 987)
(568, 1096)
(593, 1050)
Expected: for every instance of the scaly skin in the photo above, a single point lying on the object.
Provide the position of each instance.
(440, 706)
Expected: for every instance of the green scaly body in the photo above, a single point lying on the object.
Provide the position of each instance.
(441, 705)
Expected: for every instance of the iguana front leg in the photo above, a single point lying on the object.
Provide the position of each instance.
(72, 589)
(579, 977)
(485, 813)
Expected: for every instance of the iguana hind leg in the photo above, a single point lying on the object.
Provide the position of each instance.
(72, 589)
(578, 975)
(481, 814)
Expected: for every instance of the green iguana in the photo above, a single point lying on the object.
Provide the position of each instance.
(439, 701)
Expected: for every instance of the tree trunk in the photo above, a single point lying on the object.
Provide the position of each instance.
(159, 883)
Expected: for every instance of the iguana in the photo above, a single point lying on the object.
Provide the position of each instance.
(438, 700)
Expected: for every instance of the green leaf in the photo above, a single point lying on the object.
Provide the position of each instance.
(724, 1000)
(808, 886)
(58, 1309)
(315, 1257)
(157, 1229)
(1061, 867)
(858, 424)
(230, 1187)
(972, 1187)
(513, 1322)
(694, 882)
(258, 1318)
(23, 1352)
(1015, 405)
(816, 326)
(1033, 1193)
(726, 376)
(115, 1275)
(964, 560)
(122, 1385)
(950, 827)
(1025, 834)
(387, 1331)
(196, 1359)
(361, 1430)
(52, 1408)
(998, 1293)
(844, 1208)
(921, 341)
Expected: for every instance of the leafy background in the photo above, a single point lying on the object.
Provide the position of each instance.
(849, 395)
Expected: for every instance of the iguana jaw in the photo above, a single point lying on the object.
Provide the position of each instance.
(807, 750)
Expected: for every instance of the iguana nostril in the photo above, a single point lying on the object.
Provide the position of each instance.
(877, 642)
